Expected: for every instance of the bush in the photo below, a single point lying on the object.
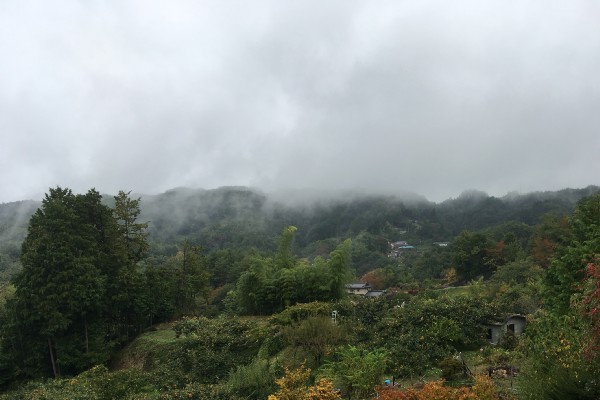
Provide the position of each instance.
(208, 349)
(95, 384)
(452, 368)
(253, 381)
(555, 365)
(317, 336)
(357, 371)
(425, 331)
(300, 312)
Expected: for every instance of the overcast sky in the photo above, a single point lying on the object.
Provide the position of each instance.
(433, 97)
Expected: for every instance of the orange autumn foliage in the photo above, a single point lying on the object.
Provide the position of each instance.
(292, 386)
(483, 389)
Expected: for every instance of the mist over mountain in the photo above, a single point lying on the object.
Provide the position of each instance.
(242, 216)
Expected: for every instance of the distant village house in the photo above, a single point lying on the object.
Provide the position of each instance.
(363, 289)
(397, 248)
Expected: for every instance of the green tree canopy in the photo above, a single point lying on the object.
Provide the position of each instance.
(566, 271)
(70, 300)
(469, 252)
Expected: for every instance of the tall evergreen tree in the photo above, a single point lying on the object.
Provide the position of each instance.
(59, 293)
(78, 288)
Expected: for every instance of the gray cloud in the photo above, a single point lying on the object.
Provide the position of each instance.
(433, 97)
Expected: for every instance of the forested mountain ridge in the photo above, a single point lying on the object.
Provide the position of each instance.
(240, 217)
(476, 210)
(208, 214)
(212, 215)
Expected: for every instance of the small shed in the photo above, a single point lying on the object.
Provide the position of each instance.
(514, 324)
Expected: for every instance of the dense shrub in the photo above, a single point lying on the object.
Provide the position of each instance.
(95, 384)
(356, 371)
(209, 349)
(555, 365)
(425, 331)
(302, 311)
(317, 336)
(253, 381)
(452, 368)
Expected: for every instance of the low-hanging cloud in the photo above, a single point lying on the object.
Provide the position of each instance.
(433, 97)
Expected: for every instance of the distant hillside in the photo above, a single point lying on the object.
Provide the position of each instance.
(240, 217)
(476, 210)
(244, 217)
(14, 218)
(214, 218)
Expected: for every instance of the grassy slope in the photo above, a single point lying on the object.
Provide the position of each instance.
(146, 350)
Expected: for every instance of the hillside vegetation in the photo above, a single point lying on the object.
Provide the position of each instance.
(230, 294)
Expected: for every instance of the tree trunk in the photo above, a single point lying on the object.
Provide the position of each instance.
(87, 340)
(53, 359)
